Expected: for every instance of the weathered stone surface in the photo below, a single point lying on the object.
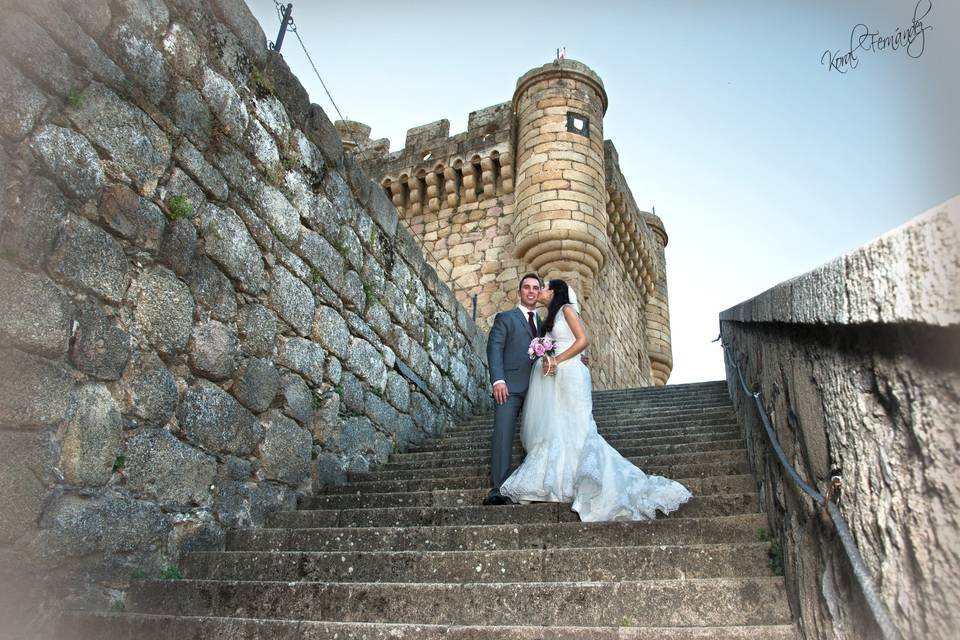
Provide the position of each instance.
(25, 481)
(247, 505)
(76, 526)
(100, 348)
(132, 217)
(30, 230)
(226, 103)
(227, 53)
(352, 292)
(424, 414)
(191, 115)
(379, 320)
(150, 17)
(286, 450)
(142, 60)
(23, 40)
(182, 50)
(352, 249)
(191, 536)
(214, 351)
(258, 329)
(281, 216)
(366, 363)
(33, 391)
(23, 102)
(229, 243)
(179, 186)
(71, 160)
(302, 356)
(363, 445)
(334, 370)
(202, 171)
(212, 290)
(380, 412)
(292, 299)
(240, 174)
(331, 331)
(322, 256)
(178, 246)
(327, 471)
(161, 467)
(93, 15)
(352, 392)
(88, 257)
(164, 309)
(238, 17)
(149, 395)
(35, 315)
(297, 398)
(274, 117)
(398, 391)
(133, 141)
(261, 145)
(92, 440)
(210, 417)
(256, 384)
(310, 157)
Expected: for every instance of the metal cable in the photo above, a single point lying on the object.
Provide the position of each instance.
(860, 570)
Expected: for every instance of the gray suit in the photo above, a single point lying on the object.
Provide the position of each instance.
(507, 356)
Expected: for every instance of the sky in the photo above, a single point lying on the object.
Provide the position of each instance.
(762, 159)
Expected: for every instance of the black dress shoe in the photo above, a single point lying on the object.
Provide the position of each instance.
(496, 499)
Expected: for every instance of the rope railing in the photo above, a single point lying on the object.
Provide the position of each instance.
(880, 614)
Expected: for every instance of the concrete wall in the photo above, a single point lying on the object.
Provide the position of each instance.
(858, 363)
(206, 308)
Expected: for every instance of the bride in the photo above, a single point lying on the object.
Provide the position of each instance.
(567, 460)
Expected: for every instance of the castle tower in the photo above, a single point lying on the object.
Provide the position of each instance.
(658, 311)
(560, 228)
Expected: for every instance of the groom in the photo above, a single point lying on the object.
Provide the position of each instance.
(510, 367)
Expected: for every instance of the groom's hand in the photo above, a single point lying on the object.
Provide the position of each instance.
(500, 392)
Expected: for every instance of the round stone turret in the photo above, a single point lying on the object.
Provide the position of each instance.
(657, 309)
(561, 218)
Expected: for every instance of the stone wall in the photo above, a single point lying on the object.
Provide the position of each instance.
(858, 363)
(575, 218)
(207, 309)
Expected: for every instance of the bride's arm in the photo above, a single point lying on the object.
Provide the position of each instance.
(579, 332)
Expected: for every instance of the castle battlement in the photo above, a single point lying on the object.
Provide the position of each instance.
(531, 185)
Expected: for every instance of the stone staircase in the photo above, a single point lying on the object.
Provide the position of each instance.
(407, 551)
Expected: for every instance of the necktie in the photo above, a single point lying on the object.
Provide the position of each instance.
(533, 325)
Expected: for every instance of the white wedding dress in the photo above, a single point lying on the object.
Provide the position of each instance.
(568, 461)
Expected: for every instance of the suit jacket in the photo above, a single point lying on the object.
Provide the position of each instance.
(507, 350)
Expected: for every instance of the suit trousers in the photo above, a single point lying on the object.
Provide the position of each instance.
(501, 444)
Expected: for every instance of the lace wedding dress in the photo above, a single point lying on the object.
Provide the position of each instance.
(568, 461)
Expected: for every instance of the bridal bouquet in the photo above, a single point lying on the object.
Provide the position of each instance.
(540, 347)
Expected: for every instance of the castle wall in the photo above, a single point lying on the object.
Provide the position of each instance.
(517, 193)
(207, 309)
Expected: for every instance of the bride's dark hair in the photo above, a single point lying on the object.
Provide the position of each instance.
(560, 297)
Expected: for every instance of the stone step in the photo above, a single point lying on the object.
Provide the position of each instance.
(425, 497)
(722, 529)
(131, 626)
(698, 506)
(612, 436)
(527, 565)
(700, 602)
(671, 437)
(614, 418)
(646, 463)
(473, 457)
(605, 430)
